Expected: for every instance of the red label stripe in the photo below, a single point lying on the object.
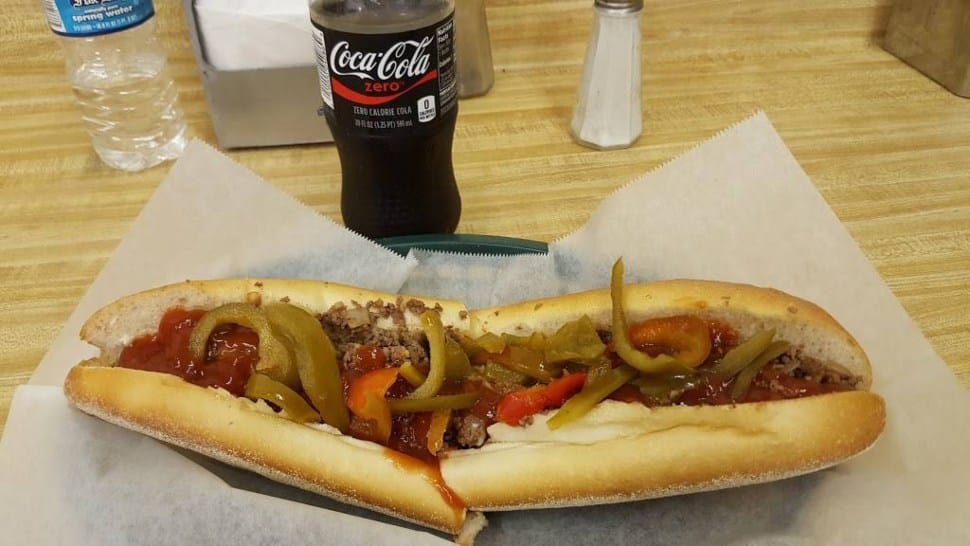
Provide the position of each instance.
(360, 98)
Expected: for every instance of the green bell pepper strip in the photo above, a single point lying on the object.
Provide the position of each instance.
(739, 357)
(411, 374)
(275, 356)
(742, 383)
(621, 338)
(457, 365)
(598, 368)
(593, 393)
(503, 375)
(489, 342)
(660, 388)
(262, 387)
(577, 340)
(433, 403)
(435, 333)
(316, 361)
(525, 361)
(436, 430)
(536, 341)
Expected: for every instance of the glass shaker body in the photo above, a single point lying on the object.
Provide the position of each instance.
(473, 48)
(608, 105)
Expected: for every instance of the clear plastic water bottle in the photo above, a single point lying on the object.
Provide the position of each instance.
(117, 68)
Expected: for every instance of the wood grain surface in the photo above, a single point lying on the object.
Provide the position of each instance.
(888, 148)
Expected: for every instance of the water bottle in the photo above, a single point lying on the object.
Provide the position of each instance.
(117, 69)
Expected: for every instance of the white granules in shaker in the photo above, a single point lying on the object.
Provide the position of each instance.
(608, 112)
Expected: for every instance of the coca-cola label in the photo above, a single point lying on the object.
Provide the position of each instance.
(383, 83)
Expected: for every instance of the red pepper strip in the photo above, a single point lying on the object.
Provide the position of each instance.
(366, 399)
(688, 336)
(517, 405)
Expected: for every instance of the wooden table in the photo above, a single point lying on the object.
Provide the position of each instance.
(888, 148)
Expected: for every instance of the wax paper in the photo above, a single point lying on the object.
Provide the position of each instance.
(737, 207)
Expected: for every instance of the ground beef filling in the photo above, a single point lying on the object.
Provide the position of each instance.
(356, 329)
(350, 327)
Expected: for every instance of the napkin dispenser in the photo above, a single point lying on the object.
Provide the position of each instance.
(933, 36)
(259, 107)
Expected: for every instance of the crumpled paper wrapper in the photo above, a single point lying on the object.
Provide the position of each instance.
(737, 207)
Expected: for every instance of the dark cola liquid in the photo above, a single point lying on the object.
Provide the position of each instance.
(398, 186)
(388, 83)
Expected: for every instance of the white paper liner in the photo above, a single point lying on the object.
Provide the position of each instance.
(737, 208)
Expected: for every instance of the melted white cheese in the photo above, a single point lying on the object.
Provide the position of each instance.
(611, 420)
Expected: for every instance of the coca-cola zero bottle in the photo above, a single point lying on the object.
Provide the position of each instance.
(388, 82)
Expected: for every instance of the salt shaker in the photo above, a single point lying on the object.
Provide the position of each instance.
(607, 113)
(473, 49)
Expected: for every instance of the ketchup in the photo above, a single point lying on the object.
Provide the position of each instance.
(723, 339)
(409, 435)
(787, 386)
(628, 393)
(231, 354)
(366, 358)
(431, 471)
(768, 385)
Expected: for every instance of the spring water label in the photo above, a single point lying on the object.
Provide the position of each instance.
(387, 83)
(94, 17)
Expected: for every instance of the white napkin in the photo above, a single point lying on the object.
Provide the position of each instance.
(254, 34)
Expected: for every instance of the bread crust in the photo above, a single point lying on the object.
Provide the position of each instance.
(117, 324)
(745, 307)
(683, 450)
(666, 451)
(637, 452)
(234, 431)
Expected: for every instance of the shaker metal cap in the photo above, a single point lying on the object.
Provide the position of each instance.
(620, 5)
